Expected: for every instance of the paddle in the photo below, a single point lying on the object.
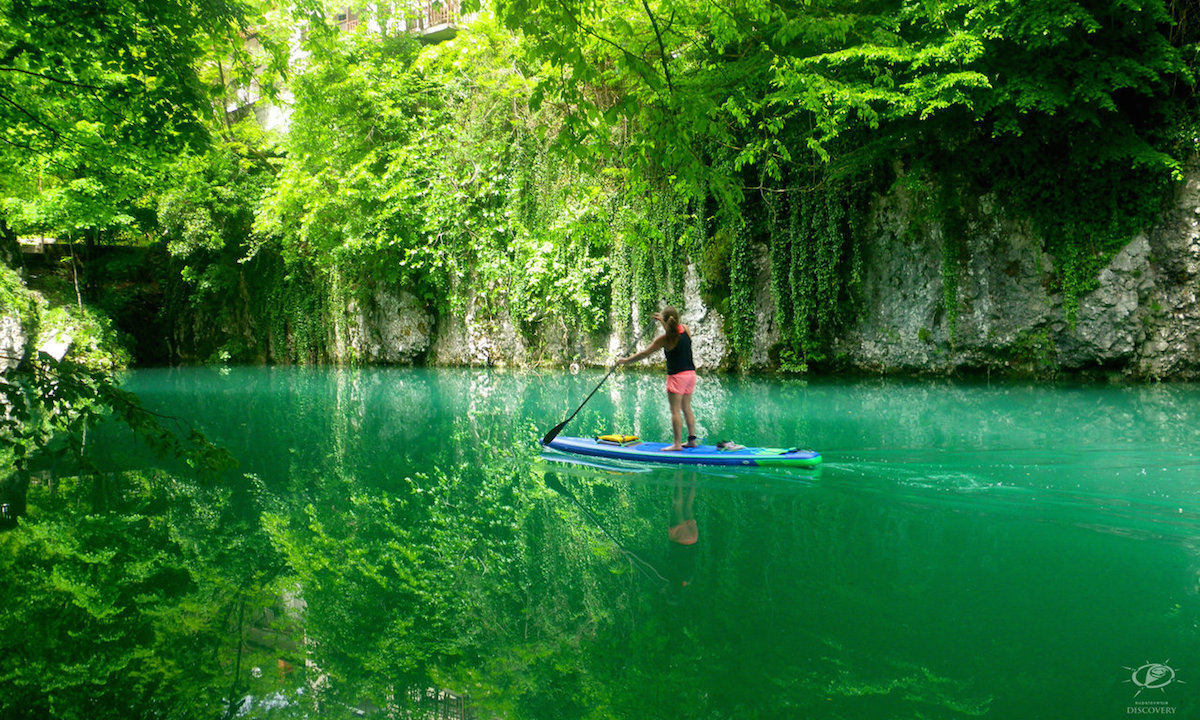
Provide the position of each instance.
(556, 485)
(554, 431)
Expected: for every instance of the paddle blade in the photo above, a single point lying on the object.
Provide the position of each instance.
(555, 484)
(554, 431)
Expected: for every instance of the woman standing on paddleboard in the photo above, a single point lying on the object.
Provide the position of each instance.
(676, 344)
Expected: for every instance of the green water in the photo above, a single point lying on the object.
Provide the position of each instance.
(998, 550)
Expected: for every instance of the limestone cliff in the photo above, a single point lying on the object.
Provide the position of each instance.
(1143, 319)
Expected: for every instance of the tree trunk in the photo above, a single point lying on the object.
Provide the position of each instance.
(10, 250)
(12, 499)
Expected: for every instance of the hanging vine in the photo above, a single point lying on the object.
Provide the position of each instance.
(671, 217)
(816, 268)
(779, 238)
(741, 316)
(801, 280)
(622, 287)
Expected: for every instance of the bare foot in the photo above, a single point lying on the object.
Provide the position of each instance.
(672, 448)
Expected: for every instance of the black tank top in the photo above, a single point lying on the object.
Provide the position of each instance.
(679, 358)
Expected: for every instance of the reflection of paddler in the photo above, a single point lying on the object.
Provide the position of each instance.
(684, 538)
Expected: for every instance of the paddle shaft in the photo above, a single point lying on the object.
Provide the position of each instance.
(554, 431)
(556, 485)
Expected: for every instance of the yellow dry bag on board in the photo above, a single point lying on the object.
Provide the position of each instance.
(618, 439)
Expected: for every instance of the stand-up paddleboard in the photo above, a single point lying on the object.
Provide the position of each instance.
(701, 455)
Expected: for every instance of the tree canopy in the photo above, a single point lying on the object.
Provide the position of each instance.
(96, 97)
(550, 165)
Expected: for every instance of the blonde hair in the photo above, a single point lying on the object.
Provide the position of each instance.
(670, 319)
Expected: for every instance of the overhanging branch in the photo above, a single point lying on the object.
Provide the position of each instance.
(662, 50)
(51, 78)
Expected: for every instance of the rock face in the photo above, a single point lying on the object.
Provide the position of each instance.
(13, 339)
(394, 327)
(1003, 312)
(480, 337)
(982, 300)
(1170, 339)
(1143, 320)
(709, 346)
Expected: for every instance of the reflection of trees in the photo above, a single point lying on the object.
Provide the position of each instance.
(592, 637)
(428, 554)
(565, 626)
(470, 576)
(402, 574)
(130, 596)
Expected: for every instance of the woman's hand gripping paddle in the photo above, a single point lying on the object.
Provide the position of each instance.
(554, 431)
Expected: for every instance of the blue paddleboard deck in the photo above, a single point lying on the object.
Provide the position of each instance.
(702, 455)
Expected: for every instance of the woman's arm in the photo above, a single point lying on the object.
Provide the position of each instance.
(643, 354)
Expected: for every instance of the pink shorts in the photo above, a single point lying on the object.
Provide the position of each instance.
(682, 383)
(685, 533)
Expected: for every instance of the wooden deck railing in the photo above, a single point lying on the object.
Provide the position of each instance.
(416, 16)
(432, 13)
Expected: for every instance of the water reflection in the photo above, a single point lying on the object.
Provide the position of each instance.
(646, 568)
(683, 538)
(404, 533)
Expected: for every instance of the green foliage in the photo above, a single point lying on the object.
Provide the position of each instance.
(564, 176)
(712, 263)
(1087, 219)
(423, 169)
(226, 275)
(98, 98)
(51, 401)
(815, 268)
(742, 282)
(1032, 354)
(97, 79)
(1062, 110)
(422, 570)
(780, 249)
(347, 178)
(1076, 114)
(15, 300)
(209, 206)
(650, 256)
(138, 587)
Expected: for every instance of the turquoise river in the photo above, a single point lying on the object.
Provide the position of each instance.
(967, 549)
